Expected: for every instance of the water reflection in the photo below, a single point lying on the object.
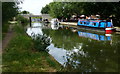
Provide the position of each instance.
(94, 36)
(61, 56)
(82, 51)
(35, 29)
(54, 26)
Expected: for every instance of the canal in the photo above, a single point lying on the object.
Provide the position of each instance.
(79, 49)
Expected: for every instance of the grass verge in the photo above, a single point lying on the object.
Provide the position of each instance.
(20, 56)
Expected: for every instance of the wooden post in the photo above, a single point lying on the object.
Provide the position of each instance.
(30, 21)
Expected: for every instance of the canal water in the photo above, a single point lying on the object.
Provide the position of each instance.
(80, 50)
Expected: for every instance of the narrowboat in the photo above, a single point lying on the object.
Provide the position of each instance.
(99, 24)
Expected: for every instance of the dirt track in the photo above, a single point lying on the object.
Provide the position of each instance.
(7, 38)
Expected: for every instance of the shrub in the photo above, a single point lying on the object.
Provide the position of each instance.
(24, 21)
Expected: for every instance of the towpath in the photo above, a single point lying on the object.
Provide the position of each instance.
(8, 36)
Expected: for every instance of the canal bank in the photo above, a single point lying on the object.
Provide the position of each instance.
(20, 55)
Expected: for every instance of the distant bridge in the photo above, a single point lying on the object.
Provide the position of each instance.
(44, 16)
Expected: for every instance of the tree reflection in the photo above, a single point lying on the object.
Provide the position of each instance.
(97, 59)
(63, 38)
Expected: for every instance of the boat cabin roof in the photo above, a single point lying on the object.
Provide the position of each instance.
(94, 20)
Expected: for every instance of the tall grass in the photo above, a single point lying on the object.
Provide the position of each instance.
(20, 57)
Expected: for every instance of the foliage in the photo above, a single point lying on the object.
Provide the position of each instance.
(45, 10)
(56, 9)
(41, 42)
(9, 10)
(67, 9)
(24, 12)
(24, 21)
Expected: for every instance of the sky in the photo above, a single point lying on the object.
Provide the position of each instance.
(34, 6)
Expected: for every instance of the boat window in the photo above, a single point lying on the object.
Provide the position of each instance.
(80, 22)
(84, 22)
(105, 25)
(94, 24)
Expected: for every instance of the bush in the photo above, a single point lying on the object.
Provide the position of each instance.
(41, 42)
(22, 20)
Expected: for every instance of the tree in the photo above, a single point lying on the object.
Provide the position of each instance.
(60, 9)
(67, 9)
(9, 10)
(45, 10)
(25, 12)
(104, 9)
(56, 9)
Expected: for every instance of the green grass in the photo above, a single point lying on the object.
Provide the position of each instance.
(20, 56)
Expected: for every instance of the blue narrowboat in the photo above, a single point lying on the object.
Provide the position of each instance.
(101, 24)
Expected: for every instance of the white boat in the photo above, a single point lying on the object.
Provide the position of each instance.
(54, 24)
(54, 21)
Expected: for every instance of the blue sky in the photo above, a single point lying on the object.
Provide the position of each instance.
(34, 6)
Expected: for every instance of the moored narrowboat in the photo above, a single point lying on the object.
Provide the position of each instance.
(106, 25)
